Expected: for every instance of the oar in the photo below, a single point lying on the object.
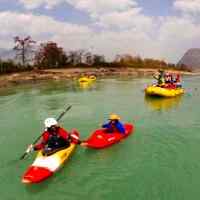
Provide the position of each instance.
(36, 140)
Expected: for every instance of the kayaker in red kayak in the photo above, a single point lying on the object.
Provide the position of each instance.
(114, 125)
(54, 137)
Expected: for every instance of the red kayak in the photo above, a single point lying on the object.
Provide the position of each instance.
(101, 139)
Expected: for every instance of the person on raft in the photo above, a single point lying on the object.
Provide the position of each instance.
(172, 82)
(178, 81)
(160, 77)
(53, 138)
(114, 125)
(169, 79)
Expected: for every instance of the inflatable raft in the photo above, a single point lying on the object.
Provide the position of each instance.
(163, 92)
(89, 79)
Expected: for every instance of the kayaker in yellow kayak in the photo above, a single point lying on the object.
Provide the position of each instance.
(53, 138)
(114, 125)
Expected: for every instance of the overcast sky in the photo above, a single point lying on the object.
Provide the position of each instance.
(162, 29)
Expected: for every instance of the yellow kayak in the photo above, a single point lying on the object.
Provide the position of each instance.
(89, 79)
(45, 166)
(163, 92)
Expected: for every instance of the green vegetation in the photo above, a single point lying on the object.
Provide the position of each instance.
(9, 66)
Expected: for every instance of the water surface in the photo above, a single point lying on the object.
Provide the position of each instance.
(160, 161)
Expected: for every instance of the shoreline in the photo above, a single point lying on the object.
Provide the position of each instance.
(74, 73)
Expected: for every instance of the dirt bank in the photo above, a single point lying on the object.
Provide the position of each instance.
(74, 73)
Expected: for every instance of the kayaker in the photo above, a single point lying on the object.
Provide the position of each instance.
(160, 77)
(54, 137)
(114, 125)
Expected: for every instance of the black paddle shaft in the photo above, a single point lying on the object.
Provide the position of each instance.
(36, 140)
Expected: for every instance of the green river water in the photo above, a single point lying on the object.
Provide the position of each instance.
(160, 161)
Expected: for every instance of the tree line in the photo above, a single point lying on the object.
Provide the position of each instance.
(50, 55)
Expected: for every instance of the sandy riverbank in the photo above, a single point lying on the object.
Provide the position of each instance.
(74, 73)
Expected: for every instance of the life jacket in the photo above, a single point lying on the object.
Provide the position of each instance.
(114, 128)
(56, 141)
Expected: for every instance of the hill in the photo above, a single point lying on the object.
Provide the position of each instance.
(191, 59)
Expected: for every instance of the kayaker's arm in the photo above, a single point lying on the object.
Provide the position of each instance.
(43, 142)
(154, 76)
(30, 148)
(74, 136)
(107, 125)
(120, 128)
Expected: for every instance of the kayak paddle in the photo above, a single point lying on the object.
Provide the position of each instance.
(36, 140)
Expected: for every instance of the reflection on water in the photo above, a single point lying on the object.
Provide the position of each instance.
(85, 85)
(159, 103)
(7, 91)
(63, 87)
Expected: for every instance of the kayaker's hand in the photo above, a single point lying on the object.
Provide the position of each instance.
(79, 142)
(75, 138)
(30, 149)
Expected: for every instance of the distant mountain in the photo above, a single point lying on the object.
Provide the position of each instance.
(191, 59)
(7, 54)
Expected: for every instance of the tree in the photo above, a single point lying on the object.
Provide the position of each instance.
(23, 48)
(71, 58)
(124, 58)
(89, 58)
(98, 59)
(8, 66)
(50, 55)
(77, 57)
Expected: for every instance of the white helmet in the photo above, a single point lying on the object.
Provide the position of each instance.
(50, 122)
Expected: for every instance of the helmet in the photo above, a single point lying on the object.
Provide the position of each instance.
(50, 122)
(114, 117)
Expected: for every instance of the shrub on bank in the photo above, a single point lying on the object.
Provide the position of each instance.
(9, 66)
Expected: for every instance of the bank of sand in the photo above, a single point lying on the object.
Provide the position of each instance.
(75, 73)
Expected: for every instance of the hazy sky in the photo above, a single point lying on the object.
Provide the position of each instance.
(162, 29)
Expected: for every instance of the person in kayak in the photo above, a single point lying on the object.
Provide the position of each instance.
(114, 125)
(54, 137)
(160, 77)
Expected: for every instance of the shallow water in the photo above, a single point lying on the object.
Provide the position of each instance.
(159, 161)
